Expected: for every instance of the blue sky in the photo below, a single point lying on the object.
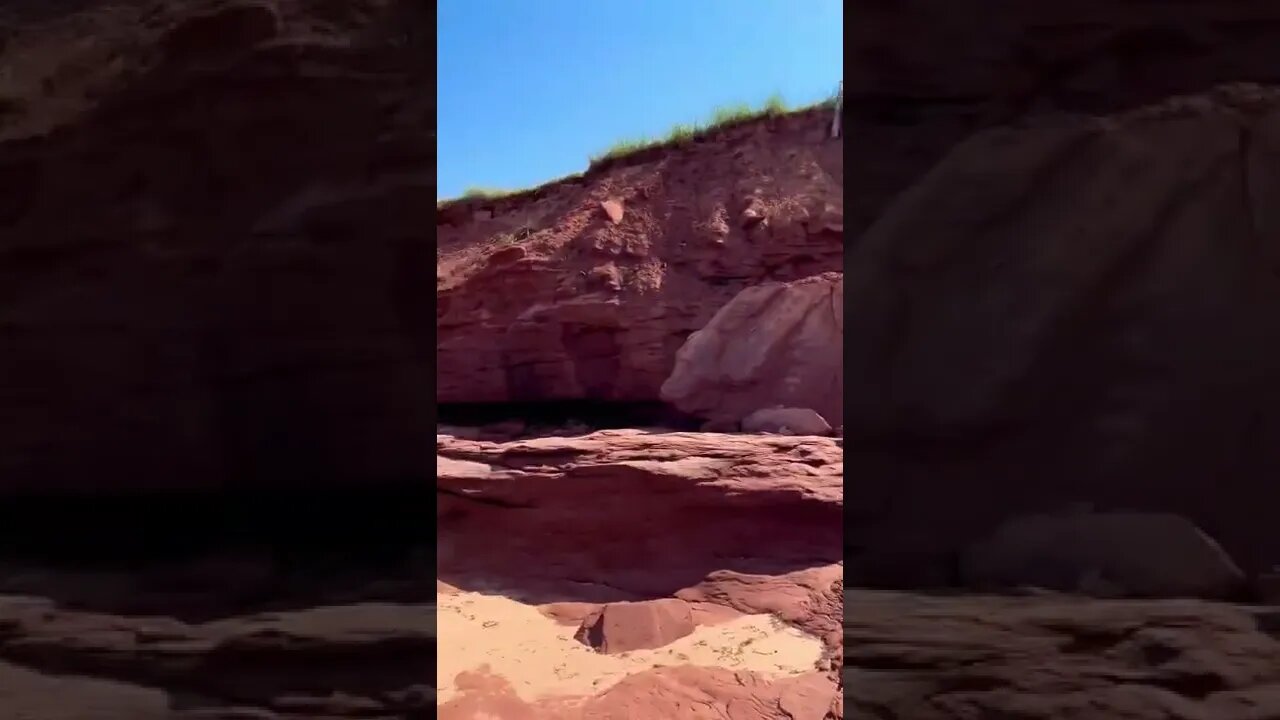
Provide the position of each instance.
(527, 90)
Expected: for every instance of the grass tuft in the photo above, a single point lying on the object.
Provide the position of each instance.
(721, 117)
(474, 193)
(477, 193)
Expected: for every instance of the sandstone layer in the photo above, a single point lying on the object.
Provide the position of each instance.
(740, 532)
(1071, 310)
(339, 660)
(1052, 657)
(545, 296)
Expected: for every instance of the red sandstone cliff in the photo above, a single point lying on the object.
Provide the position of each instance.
(542, 296)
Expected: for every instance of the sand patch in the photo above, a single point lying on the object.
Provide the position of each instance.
(540, 658)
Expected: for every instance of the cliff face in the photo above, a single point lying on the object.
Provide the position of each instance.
(1075, 310)
(545, 296)
(1056, 298)
(212, 233)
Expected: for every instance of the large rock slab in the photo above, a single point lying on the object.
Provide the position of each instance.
(375, 659)
(1116, 554)
(677, 506)
(774, 344)
(1077, 310)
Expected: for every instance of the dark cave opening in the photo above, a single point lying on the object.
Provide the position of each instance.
(594, 414)
(360, 525)
(198, 556)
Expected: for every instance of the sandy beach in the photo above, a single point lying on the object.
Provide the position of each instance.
(541, 658)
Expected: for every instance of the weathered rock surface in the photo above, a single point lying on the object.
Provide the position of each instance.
(542, 296)
(1115, 554)
(345, 661)
(191, 294)
(773, 344)
(911, 657)
(602, 525)
(677, 506)
(1071, 310)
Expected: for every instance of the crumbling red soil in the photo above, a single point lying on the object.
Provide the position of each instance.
(542, 296)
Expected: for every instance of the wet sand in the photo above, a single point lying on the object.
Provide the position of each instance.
(541, 659)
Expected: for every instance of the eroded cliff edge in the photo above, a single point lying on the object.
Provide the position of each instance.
(543, 296)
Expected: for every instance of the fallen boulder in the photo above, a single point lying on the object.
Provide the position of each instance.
(773, 344)
(625, 626)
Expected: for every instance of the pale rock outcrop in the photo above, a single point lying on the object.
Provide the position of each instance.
(773, 344)
(786, 421)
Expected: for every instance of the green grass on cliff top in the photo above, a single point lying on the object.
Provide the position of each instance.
(722, 117)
